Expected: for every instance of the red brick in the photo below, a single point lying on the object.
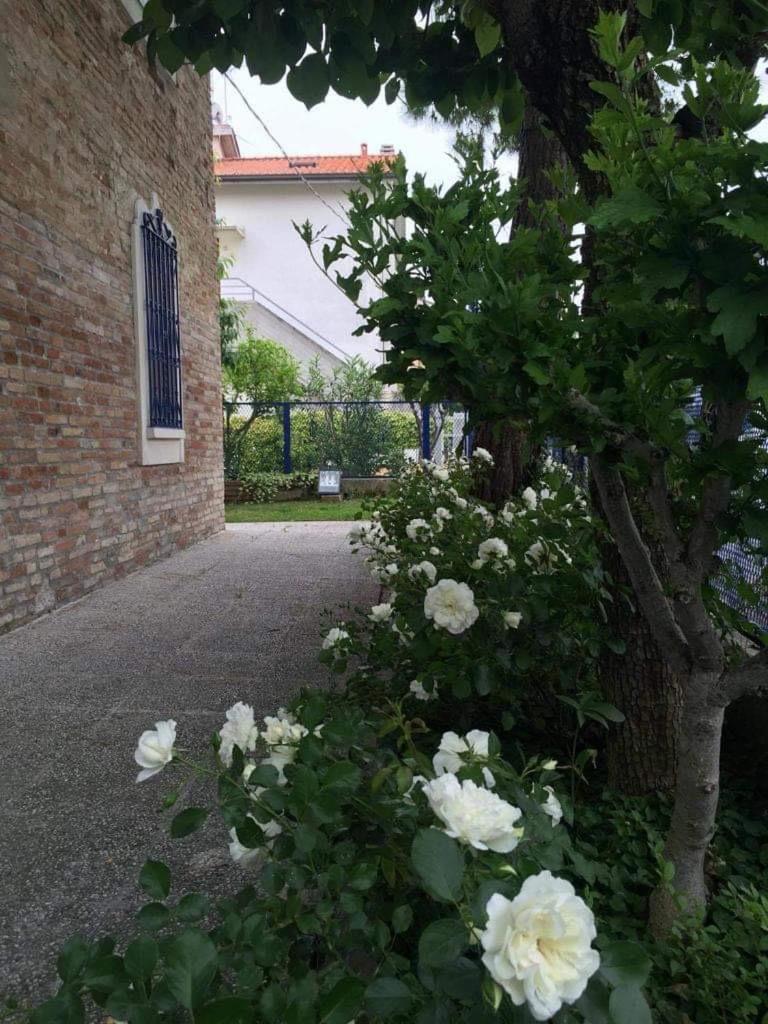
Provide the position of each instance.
(70, 483)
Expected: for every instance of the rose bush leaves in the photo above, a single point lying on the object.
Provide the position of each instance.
(439, 864)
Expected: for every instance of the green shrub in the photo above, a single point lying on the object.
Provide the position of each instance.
(262, 487)
(360, 440)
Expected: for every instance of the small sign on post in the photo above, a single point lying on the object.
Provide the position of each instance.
(329, 484)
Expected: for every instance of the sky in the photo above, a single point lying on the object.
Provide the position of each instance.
(335, 126)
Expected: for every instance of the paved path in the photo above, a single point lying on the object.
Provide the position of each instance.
(238, 616)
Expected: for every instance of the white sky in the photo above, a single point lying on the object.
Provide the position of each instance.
(335, 126)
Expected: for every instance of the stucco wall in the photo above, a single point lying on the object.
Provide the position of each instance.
(273, 258)
(86, 129)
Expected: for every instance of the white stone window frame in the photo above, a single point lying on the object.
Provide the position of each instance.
(158, 446)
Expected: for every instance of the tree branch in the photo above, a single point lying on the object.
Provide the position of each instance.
(750, 676)
(616, 435)
(637, 558)
(716, 493)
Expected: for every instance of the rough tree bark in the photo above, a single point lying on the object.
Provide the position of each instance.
(642, 752)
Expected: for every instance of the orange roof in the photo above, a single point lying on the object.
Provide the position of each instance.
(276, 167)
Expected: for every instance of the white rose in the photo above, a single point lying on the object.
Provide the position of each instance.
(155, 749)
(416, 527)
(334, 636)
(416, 688)
(381, 612)
(483, 455)
(535, 552)
(435, 552)
(451, 606)
(474, 815)
(552, 806)
(391, 569)
(245, 855)
(530, 498)
(423, 569)
(441, 474)
(443, 514)
(460, 502)
(512, 619)
(455, 751)
(537, 946)
(282, 736)
(494, 547)
(239, 730)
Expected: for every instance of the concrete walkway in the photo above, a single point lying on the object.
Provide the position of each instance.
(238, 616)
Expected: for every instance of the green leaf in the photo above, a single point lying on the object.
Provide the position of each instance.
(439, 863)
(72, 958)
(309, 80)
(168, 53)
(627, 1005)
(155, 879)
(387, 997)
(191, 963)
(758, 383)
(631, 205)
(192, 907)
(391, 90)
(188, 821)
(402, 919)
(342, 775)
(625, 963)
(342, 1002)
(737, 319)
(227, 9)
(442, 942)
(230, 1010)
(153, 916)
(140, 958)
(104, 974)
(487, 35)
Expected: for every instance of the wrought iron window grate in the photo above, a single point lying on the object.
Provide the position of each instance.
(161, 290)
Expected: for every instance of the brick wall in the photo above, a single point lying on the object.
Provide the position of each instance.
(86, 128)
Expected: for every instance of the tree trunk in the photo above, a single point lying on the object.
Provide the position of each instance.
(539, 153)
(642, 752)
(696, 797)
(514, 460)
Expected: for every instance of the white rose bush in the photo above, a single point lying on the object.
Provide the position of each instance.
(385, 873)
(385, 867)
(481, 605)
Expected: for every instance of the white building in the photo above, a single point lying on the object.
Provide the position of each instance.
(286, 296)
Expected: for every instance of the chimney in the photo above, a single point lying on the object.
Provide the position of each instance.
(363, 149)
(387, 149)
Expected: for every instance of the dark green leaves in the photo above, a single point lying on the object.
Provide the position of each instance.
(191, 962)
(309, 81)
(386, 997)
(188, 821)
(439, 863)
(140, 958)
(155, 879)
(627, 1005)
(342, 1002)
(442, 942)
(629, 206)
(625, 963)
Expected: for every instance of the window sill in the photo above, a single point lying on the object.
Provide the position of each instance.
(165, 434)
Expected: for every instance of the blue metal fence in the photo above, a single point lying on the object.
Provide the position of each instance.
(361, 438)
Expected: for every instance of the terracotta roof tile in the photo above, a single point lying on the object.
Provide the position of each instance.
(296, 166)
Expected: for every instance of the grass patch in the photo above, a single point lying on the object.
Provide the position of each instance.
(292, 511)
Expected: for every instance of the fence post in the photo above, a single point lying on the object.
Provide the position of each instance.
(287, 461)
(426, 444)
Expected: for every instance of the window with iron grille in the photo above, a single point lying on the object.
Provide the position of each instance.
(161, 310)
